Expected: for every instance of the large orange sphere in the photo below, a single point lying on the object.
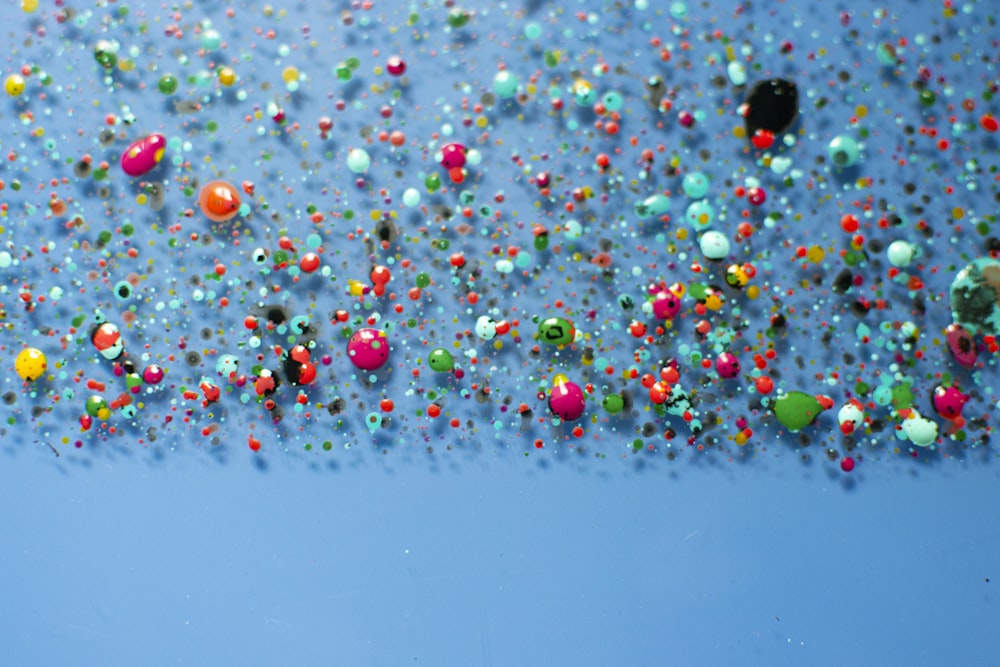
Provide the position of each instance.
(219, 201)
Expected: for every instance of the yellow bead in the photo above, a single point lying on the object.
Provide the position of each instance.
(14, 85)
(815, 254)
(290, 74)
(29, 6)
(227, 76)
(30, 364)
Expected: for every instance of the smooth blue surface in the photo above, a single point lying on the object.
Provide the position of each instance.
(496, 563)
(159, 538)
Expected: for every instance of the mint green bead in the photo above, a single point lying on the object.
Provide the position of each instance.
(843, 151)
(695, 185)
(505, 84)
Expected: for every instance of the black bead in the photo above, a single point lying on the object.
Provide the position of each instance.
(772, 105)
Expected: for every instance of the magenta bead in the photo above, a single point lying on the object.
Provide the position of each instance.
(727, 365)
(152, 374)
(368, 349)
(949, 401)
(566, 401)
(452, 156)
(666, 305)
(143, 155)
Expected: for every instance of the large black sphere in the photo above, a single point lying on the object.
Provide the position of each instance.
(772, 105)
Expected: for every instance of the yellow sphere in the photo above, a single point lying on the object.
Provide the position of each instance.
(290, 74)
(29, 5)
(227, 76)
(30, 364)
(14, 85)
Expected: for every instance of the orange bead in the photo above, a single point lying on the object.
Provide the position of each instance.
(219, 201)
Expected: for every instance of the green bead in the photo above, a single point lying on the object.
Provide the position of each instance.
(542, 241)
(95, 404)
(168, 84)
(441, 360)
(927, 97)
(796, 410)
(557, 331)
(104, 54)
(458, 17)
(423, 280)
(613, 403)
(432, 183)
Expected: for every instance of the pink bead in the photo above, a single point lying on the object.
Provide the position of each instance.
(368, 349)
(152, 374)
(666, 306)
(453, 156)
(727, 365)
(566, 401)
(142, 156)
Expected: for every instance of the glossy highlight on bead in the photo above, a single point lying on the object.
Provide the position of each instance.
(143, 155)
(219, 201)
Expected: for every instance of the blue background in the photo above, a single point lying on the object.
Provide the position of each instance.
(491, 551)
(495, 562)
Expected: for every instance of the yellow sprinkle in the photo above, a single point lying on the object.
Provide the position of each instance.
(815, 254)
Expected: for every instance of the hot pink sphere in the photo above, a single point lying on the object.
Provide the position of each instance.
(452, 156)
(666, 305)
(566, 401)
(368, 349)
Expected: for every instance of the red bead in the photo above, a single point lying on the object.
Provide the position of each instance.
(756, 196)
(396, 66)
(762, 139)
(847, 464)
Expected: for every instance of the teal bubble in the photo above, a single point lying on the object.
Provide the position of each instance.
(654, 205)
(505, 84)
(532, 31)
(358, 160)
(584, 93)
(313, 241)
(678, 11)
(411, 197)
(700, 215)
(886, 55)
(695, 185)
(613, 100)
(211, 40)
(843, 151)
(574, 230)
(373, 421)
(882, 395)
